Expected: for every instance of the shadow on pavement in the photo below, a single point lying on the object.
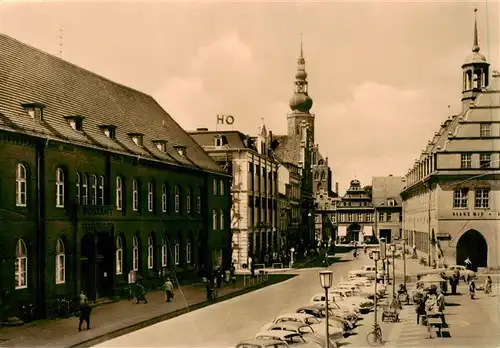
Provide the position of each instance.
(451, 304)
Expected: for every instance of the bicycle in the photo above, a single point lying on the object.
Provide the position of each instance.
(63, 307)
(28, 313)
(128, 292)
(374, 338)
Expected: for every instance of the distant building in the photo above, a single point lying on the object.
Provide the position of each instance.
(254, 190)
(386, 199)
(289, 180)
(326, 217)
(322, 174)
(451, 201)
(100, 187)
(355, 215)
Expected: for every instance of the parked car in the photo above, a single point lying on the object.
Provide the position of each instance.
(291, 338)
(336, 317)
(366, 272)
(363, 304)
(297, 317)
(305, 329)
(464, 272)
(346, 306)
(262, 343)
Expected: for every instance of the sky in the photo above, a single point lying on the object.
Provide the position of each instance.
(383, 75)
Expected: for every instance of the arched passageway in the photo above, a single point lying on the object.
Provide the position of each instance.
(353, 231)
(472, 245)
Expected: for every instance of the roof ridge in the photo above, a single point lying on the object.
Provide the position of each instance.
(73, 64)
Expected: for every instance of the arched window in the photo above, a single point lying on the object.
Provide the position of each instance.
(21, 185)
(119, 194)
(59, 188)
(214, 220)
(78, 188)
(164, 198)
(150, 196)
(177, 199)
(198, 201)
(119, 255)
(188, 200)
(221, 223)
(164, 252)
(177, 248)
(60, 262)
(150, 252)
(21, 266)
(135, 195)
(85, 190)
(135, 254)
(188, 252)
(323, 175)
(316, 176)
(93, 190)
(100, 193)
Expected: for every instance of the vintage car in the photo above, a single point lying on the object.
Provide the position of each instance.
(292, 339)
(464, 272)
(363, 304)
(304, 318)
(366, 272)
(262, 343)
(336, 316)
(345, 306)
(309, 333)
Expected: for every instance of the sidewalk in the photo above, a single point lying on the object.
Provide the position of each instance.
(107, 319)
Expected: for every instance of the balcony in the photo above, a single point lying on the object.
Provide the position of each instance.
(94, 210)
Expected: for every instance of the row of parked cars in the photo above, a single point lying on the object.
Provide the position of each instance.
(306, 327)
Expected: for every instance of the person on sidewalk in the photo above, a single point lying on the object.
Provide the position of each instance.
(454, 283)
(488, 285)
(472, 289)
(85, 310)
(140, 293)
(168, 287)
(232, 272)
(468, 263)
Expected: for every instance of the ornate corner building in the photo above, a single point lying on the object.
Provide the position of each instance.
(100, 187)
(451, 201)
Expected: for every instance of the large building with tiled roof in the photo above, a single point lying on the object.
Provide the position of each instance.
(254, 191)
(100, 187)
(387, 202)
(451, 200)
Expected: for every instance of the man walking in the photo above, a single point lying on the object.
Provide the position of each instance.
(140, 293)
(85, 310)
(168, 287)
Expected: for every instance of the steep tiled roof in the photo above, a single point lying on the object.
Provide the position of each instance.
(235, 139)
(29, 75)
(387, 187)
(288, 148)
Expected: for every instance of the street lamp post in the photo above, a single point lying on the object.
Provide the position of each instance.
(292, 250)
(375, 255)
(392, 248)
(326, 280)
(404, 261)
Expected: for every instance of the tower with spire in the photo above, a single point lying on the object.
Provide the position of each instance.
(301, 103)
(475, 70)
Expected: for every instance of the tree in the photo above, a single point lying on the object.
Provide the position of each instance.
(368, 190)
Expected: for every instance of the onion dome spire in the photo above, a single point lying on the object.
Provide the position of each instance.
(301, 101)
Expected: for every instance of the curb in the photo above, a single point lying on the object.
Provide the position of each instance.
(148, 322)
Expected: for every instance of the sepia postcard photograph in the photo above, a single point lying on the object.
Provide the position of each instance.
(250, 173)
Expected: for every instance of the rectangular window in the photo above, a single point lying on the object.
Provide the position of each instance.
(59, 188)
(150, 257)
(21, 274)
(215, 187)
(177, 199)
(389, 217)
(460, 197)
(484, 160)
(119, 194)
(135, 259)
(485, 129)
(60, 269)
(482, 199)
(164, 198)
(188, 201)
(93, 198)
(221, 223)
(100, 192)
(188, 253)
(85, 190)
(466, 160)
(164, 254)
(198, 202)
(176, 254)
(381, 217)
(221, 188)
(119, 261)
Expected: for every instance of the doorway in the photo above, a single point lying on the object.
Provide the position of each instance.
(472, 245)
(385, 233)
(96, 265)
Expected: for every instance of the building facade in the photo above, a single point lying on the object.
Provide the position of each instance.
(289, 180)
(355, 215)
(451, 207)
(387, 202)
(322, 174)
(254, 190)
(326, 217)
(100, 187)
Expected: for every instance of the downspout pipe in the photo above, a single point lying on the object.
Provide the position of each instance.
(40, 225)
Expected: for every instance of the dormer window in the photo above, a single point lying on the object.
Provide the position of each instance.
(136, 138)
(109, 131)
(220, 140)
(34, 110)
(161, 145)
(76, 122)
(391, 202)
(181, 150)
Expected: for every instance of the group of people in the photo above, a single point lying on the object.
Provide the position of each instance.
(428, 301)
(219, 277)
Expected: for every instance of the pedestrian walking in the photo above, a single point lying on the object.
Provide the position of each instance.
(233, 275)
(168, 287)
(468, 263)
(472, 289)
(85, 310)
(488, 285)
(140, 293)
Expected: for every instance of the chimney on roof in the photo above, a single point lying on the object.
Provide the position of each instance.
(202, 129)
(337, 188)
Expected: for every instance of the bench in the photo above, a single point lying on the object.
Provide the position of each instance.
(390, 314)
(435, 321)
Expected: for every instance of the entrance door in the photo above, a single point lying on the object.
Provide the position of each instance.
(384, 233)
(472, 245)
(87, 283)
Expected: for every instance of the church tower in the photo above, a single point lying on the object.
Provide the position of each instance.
(301, 102)
(475, 71)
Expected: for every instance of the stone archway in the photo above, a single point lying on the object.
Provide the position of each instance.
(472, 245)
(353, 231)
